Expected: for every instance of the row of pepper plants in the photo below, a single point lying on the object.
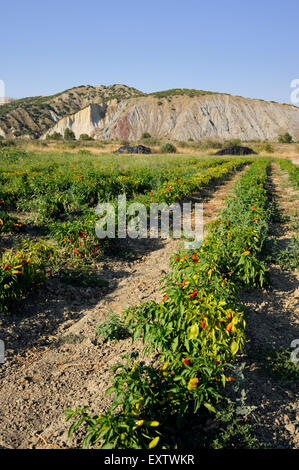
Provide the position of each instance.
(78, 236)
(24, 267)
(22, 270)
(197, 330)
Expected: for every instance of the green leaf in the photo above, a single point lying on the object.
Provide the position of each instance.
(193, 331)
(154, 442)
(234, 347)
(210, 407)
(175, 343)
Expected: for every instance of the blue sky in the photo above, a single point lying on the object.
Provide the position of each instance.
(245, 47)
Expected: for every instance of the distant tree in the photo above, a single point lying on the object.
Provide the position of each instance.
(69, 134)
(168, 148)
(285, 138)
(85, 137)
(268, 147)
(54, 136)
(145, 135)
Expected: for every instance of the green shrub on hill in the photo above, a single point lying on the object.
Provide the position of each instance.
(285, 138)
(168, 148)
(69, 134)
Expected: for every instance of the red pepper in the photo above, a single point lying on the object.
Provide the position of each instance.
(193, 294)
(186, 361)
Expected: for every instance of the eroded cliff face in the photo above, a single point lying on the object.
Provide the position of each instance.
(83, 122)
(183, 117)
(35, 115)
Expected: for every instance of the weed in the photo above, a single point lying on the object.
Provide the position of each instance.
(112, 329)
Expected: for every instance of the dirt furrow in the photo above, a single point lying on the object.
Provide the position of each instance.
(272, 324)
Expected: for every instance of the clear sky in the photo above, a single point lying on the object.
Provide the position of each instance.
(242, 47)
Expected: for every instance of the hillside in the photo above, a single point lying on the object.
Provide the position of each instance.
(35, 115)
(181, 116)
(121, 112)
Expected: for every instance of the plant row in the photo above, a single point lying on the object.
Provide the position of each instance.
(292, 169)
(23, 270)
(77, 237)
(197, 329)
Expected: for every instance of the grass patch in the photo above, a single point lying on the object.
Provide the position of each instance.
(112, 329)
(81, 277)
(277, 363)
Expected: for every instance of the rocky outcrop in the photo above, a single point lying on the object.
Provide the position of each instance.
(83, 122)
(182, 117)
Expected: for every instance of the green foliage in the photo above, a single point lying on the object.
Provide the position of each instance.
(202, 144)
(280, 365)
(277, 363)
(181, 92)
(54, 136)
(292, 169)
(112, 328)
(287, 258)
(69, 134)
(285, 138)
(9, 223)
(264, 147)
(232, 143)
(85, 137)
(168, 148)
(234, 434)
(198, 328)
(10, 154)
(23, 270)
(145, 135)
